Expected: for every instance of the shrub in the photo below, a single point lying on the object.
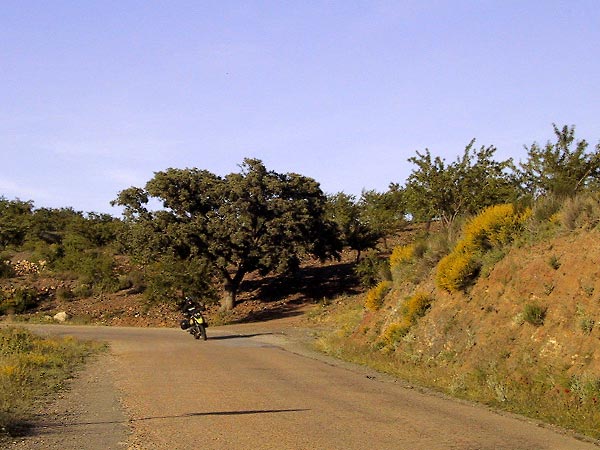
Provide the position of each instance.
(17, 300)
(6, 269)
(401, 254)
(134, 282)
(371, 269)
(546, 208)
(413, 308)
(376, 295)
(64, 293)
(495, 227)
(166, 278)
(396, 331)
(534, 314)
(582, 211)
(554, 262)
(489, 260)
(428, 253)
(456, 271)
(586, 325)
(82, 291)
(416, 307)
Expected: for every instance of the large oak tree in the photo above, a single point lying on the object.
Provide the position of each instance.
(253, 220)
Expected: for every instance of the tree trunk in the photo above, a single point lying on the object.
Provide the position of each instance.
(228, 298)
(230, 289)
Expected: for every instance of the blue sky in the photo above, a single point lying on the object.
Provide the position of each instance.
(96, 96)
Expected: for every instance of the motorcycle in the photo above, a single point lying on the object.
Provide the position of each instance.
(194, 321)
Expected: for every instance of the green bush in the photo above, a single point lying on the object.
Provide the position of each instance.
(534, 314)
(17, 300)
(586, 325)
(546, 208)
(372, 269)
(554, 262)
(64, 293)
(6, 270)
(93, 266)
(413, 308)
(82, 291)
(395, 332)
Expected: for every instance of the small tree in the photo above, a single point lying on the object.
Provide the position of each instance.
(437, 190)
(354, 232)
(563, 168)
(252, 220)
(384, 213)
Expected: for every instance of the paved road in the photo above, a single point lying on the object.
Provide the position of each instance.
(250, 387)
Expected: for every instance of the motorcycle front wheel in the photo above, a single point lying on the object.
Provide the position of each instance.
(202, 332)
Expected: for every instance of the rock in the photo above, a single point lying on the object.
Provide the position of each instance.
(61, 316)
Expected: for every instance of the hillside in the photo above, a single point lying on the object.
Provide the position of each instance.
(486, 344)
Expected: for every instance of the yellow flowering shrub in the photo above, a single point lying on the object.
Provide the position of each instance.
(396, 331)
(455, 271)
(401, 254)
(494, 227)
(376, 295)
(416, 306)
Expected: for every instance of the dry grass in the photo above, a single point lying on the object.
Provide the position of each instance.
(31, 367)
(568, 401)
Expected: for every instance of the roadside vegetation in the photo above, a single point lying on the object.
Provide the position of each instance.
(494, 320)
(32, 368)
(479, 277)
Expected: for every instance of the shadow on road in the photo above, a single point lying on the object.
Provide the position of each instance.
(46, 427)
(237, 336)
(222, 413)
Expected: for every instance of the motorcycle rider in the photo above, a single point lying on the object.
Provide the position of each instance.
(194, 321)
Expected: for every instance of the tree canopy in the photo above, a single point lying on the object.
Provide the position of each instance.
(364, 222)
(562, 168)
(437, 190)
(353, 231)
(253, 220)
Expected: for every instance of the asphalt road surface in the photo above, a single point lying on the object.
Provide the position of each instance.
(255, 387)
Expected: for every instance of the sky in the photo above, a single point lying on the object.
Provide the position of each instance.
(97, 96)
